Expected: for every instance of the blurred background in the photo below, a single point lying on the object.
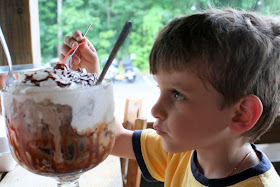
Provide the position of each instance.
(59, 18)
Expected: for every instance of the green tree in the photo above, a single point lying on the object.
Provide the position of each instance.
(108, 17)
(48, 28)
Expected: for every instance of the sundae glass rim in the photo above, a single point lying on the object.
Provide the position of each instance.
(57, 89)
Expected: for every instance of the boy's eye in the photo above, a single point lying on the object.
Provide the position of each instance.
(178, 95)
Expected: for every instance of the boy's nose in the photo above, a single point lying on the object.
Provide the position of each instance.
(158, 110)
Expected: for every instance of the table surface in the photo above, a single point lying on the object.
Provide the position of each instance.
(108, 173)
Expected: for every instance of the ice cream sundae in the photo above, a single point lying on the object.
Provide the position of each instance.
(59, 122)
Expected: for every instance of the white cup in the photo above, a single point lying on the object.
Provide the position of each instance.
(7, 163)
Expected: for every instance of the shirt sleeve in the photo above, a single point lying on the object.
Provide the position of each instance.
(150, 155)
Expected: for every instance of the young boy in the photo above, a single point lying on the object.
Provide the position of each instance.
(218, 74)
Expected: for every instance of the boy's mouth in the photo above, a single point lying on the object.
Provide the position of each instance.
(157, 129)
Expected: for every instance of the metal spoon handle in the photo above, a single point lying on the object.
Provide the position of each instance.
(125, 31)
(6, 50)
(84, 36)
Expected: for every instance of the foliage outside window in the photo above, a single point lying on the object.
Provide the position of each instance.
(108, 17)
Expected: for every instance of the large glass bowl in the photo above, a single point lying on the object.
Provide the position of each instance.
(60, 133)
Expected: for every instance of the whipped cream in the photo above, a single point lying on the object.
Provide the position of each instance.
(91, 104)
(52, 79)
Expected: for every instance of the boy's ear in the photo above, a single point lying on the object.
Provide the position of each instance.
(247, 112)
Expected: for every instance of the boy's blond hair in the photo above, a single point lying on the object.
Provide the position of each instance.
(237, 52)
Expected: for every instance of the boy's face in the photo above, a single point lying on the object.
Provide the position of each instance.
(188, 113)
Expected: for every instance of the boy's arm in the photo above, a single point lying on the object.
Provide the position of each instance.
(123, 144)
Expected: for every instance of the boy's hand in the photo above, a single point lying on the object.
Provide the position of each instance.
(85, 57)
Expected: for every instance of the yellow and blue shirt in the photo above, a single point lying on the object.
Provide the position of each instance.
(180, 169)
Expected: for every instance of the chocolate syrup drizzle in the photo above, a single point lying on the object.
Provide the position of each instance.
(64, 76)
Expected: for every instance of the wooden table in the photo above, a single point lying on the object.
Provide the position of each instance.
(108, 173)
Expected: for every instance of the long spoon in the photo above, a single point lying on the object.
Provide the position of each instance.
(123, 35)
(10, 78)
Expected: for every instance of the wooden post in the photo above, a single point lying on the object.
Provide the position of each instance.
(19, 20)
